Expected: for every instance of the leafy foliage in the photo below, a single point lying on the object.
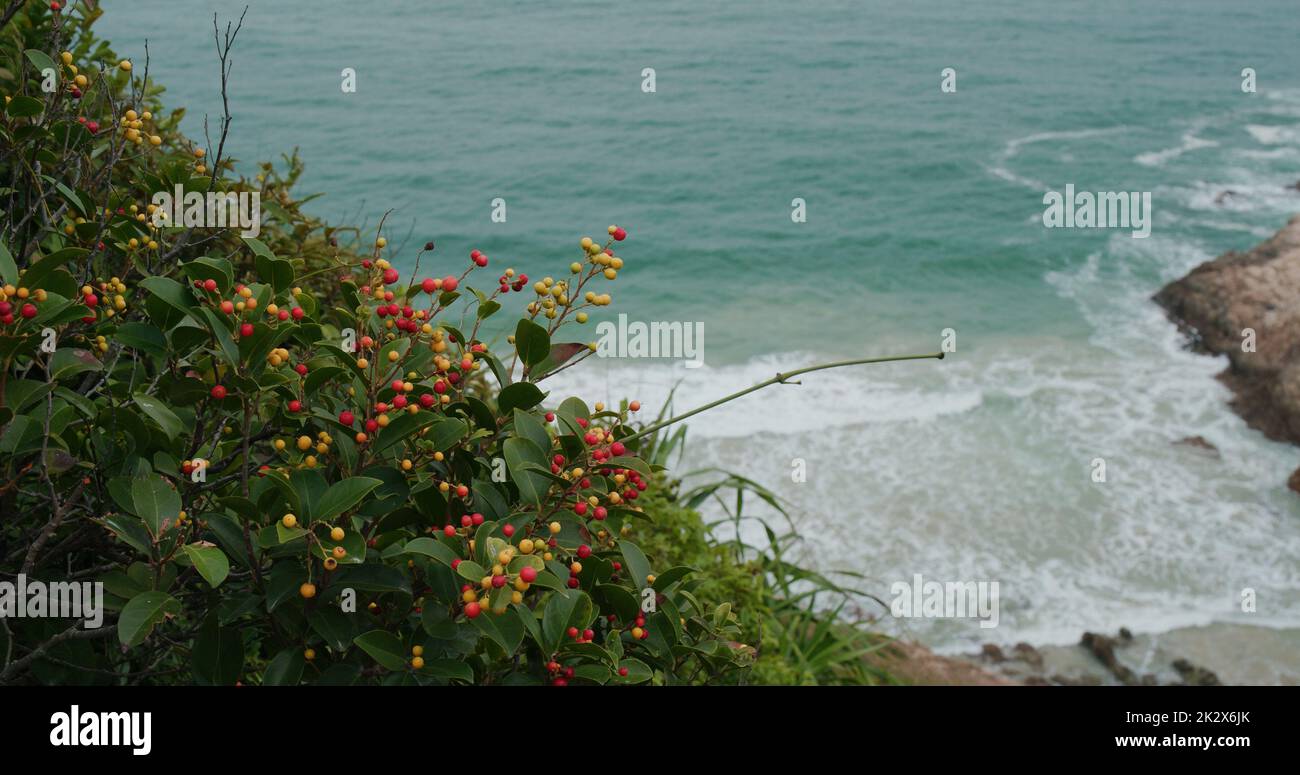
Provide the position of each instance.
(283, 463)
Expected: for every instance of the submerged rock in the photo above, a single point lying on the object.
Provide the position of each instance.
(1247, 306)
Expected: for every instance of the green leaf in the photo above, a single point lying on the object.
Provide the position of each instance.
(344, 495)
(286, 669)
(35, 275)
(449, 669)
(142, 336)
(156, 502)
(637, 672)
(519, 453)
(68, 361)
(532, 342)
(430, 547)
(666, 579)
(384, 648)
(333, 626)
(24, 107)
(471, 571)
(627, 461)
(505, 629)
(559, 355)
(169, 291)
(529, 427)
(160, 413)
(638, 567)
(142, 613)
(41, 61)
(217, 654)
(520, 395)
(402, 428)
(488, 309)
(206, 268)
(560, 610)
(8, 269)
(211, 563)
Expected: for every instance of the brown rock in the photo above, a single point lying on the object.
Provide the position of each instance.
(1103, 648)
(1257, 290)
(1200, 443)
(992, 652)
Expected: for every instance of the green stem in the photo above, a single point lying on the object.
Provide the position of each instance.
(781, 378)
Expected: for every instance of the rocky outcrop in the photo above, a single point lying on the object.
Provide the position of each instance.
(1247, 306)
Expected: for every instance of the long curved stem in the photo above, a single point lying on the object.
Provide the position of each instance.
(782, 378)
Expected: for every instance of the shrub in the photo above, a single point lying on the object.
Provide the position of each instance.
(283, 461)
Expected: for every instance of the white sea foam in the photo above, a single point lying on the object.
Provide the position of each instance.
(1273, 135)
(1000, 168)
(1190, 142)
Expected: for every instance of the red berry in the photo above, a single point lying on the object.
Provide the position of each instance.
(297, 313)
(218, 392)
(622, 671)
(449, 283)
(472, 610)
(246, 330)
(450, 532)
(209, 285)
(390, 276)
(617, 448)
(508, 530)
(584, 552)
(295, 406)
(347, 418)
(28, 311)
(528, 573)
(573, 632)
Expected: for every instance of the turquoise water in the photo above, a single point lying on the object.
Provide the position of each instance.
(923, 214)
